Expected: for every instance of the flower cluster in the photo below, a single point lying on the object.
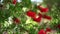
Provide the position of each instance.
(14, 2)
(33, 15)
(42, 31)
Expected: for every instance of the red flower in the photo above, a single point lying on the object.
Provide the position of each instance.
(58, 26)
(48, 30)
(47, 17)
(40, 15)
(16, 20)
(37, 19)
(41, 32)
(31, 14)
(14, 1)
(43, 9)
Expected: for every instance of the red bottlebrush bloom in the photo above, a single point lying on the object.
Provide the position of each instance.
(31, 14)
(48, 30)
(47, 17)
(40, 15)
(58, 26)
(43, 9)
(16, 20)
(38, 19)
(41, 32)
(14, 1)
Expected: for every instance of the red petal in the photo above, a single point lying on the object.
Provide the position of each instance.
(31, 14)
(43, 9)
(40, 15)
(47, 17)
(14, 1)
(48, 30)
(16, 20)
(41, 32)
(37, 19)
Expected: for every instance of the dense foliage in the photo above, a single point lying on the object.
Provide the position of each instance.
(28, 17)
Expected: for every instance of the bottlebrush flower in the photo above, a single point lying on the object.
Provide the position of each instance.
(37, 18)
(31, 14)
(14, 1)
(48, 30)
(41, 32)
(40, 15)
(47, 17)
(16, 20)
(43, 9)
